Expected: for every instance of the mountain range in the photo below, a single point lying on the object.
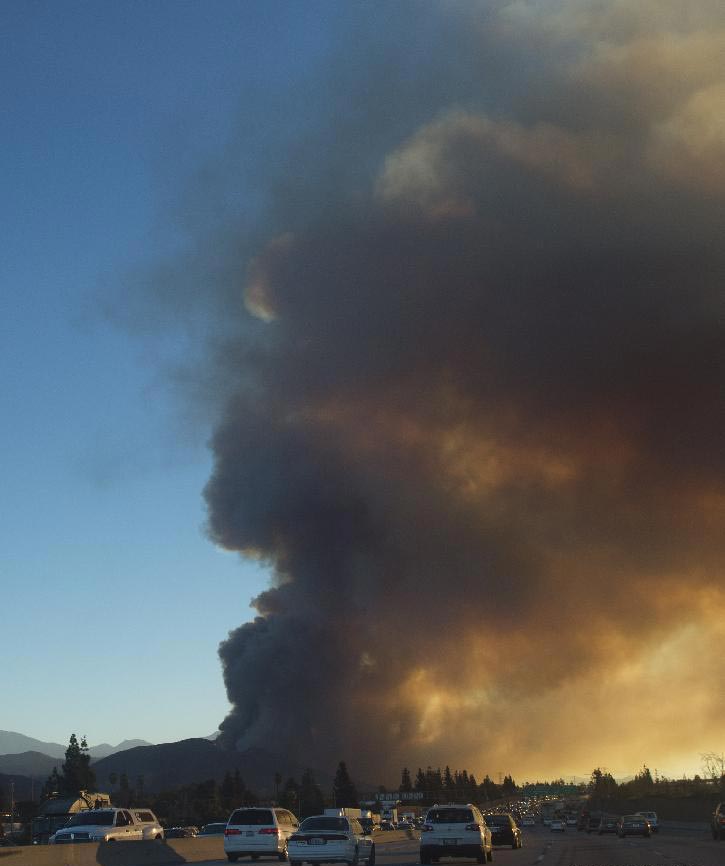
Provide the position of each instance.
(29, 762)
(12, 743)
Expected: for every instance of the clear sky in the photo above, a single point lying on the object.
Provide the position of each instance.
(111, 591)
(428, 296)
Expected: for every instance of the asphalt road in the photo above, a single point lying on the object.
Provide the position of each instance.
(544, 848)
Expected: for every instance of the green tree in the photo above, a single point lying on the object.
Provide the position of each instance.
(311, 799)
(76, 772)
(289, 797)
(344, 792)
(508, 788)
(227, 792)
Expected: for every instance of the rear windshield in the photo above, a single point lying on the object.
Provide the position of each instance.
(103, 819)
(252, 816)
(500, 820)
(450, 816)
(323, 823)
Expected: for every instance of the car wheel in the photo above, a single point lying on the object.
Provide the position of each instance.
(295, 863)
(371, 856)
(425, 857)
(283, 853)
(232, 858)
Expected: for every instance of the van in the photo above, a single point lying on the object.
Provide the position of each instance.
(258, 832)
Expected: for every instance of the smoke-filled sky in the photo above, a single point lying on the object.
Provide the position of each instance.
(446, 295)
(478, 431)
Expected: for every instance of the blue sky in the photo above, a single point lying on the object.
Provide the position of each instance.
(110, 590)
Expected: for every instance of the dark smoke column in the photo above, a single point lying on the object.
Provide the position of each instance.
(477, 421)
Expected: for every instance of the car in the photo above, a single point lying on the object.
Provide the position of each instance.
(504, 830)
(455, 830)
(528, 821)
(557, 825)
(593, 823)
(717, 825)
(571, 821)
(633, 825)
(608, 824)
(181, 832)
(651, 820)
(258, 832)
(386, 825)
(216, 828)
(331, 839)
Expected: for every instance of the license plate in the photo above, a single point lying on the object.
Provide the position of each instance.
(249, 833)
(316, 841)
(450, 841)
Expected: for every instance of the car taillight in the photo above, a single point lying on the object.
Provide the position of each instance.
(472, 827)
(232, 832)
(426, 828)
(268, 831)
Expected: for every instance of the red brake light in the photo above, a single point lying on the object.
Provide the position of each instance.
(269, 831)
(232, 832)
(472, 827)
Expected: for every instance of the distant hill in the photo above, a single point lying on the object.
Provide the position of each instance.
(103, 750)
(169, 765)
(31, 764)
(12, 743)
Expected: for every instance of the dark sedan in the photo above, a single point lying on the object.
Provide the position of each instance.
(504, 830)
(633, 825)
(608, 824)
(216, 829)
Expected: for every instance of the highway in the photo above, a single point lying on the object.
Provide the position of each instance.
(544, 848)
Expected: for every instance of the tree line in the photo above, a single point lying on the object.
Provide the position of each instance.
(207, 801)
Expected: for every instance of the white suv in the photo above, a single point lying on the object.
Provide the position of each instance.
(257, 832)
(455, 831)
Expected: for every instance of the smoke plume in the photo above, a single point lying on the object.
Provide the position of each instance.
(473, 366)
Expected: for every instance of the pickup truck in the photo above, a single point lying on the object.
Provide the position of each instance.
(109, 825)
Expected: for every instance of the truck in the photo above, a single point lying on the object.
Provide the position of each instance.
(550, 809)
(390, 813)
(56, 810)
(344, 812)
(109, 824)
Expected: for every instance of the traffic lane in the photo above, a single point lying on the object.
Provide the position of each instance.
(400, 847)
(407, 853)
(683, 848)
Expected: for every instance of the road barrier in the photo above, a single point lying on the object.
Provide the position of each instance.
(146, 853)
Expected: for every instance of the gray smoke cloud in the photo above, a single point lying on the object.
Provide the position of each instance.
(472, 367)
